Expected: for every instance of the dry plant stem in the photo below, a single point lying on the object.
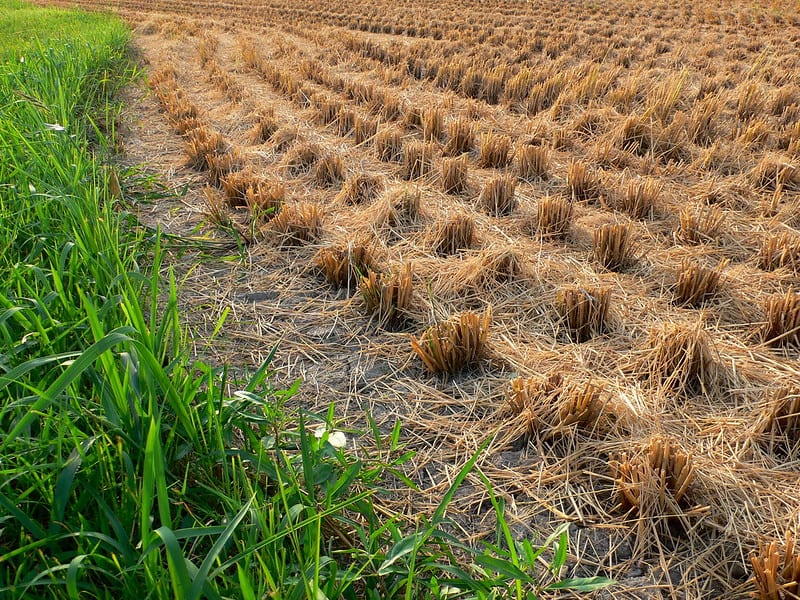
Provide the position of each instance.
(780, 420)
(454, 345)
(453, 234)
(584, 311)
(297, 225)
(780, 251)
(497, 196)
(696, 283)
(776, 570)
(613, 246)
(782, 319)
(583, 183)
(454, 175)
(388, 297)
(533, 161)
(641, 197)
(360, 189)
(654, 482)
(699, 225)
(494, 151)
(682, 358)
(345, 266)
(554, 216)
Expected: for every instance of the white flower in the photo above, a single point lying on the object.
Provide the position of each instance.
(22, 59)
(337, 439)
(55, 127)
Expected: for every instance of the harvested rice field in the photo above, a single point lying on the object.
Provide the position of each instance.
(567, 231)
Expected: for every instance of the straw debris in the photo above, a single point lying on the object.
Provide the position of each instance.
(454, 345)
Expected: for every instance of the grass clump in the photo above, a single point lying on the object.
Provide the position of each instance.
(454, 345)
(782, 319)
(697, 283)
(655, 482)
(453, 234)
(613, 246)
(533, 162)
(297, 225)
(494, 151)
(584, 310)
(454, 175)
(360, 188)
(682, 358)
(344, 266)
(776, 570)
(388, 296)
(498, 195)
(554, 216)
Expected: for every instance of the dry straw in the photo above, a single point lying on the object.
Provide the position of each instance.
(236, 184)
(265, 200)
(779, 425)
(417, 159)
(297, 225)
(344, 266)
(697, 283)
(641, 197)
(345, 122)
(682, 358)
(554, 216)
(454, 175)
(613, 245)
(364, 130)
(454, 345)
(264, 127)
(699, 224)
(202, 143)
(494, 150)
(432, 124)
(329, 170)
(582, 182)
(584, 311)
(461, 137)
(389, 144)
(398, 207)
(533, 162)
(776, 570)
(548, 406)
(497, 196)
(301, 157)
(283, 138)
(782, 319)
(223, 164)
(453, 234)
(655, 483)
(780, 251)
(388, 297)
(586, 405)
(529, 398)
(360, 189)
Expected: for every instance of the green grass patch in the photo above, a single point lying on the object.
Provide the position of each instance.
(128, 468)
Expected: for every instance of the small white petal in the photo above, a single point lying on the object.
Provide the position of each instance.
(319, 432)
(22, 59)
(55, 127)
(337, 439)
(31, 188)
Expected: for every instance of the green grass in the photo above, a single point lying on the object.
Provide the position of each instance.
(127, 468)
